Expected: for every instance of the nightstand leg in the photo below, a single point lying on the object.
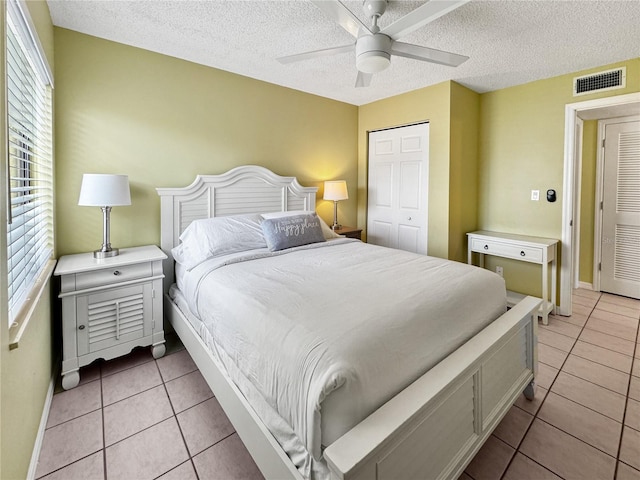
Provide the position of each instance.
(70, 380)
(158, 350)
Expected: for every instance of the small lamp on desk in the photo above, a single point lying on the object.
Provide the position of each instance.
(335, 190)
(105, 191)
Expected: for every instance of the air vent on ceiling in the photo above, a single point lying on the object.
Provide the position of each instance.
(598, 82)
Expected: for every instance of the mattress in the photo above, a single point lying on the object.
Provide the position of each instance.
(318, 337)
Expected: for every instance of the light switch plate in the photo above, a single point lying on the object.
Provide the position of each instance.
(535, 195)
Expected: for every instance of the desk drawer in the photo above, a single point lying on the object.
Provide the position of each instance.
(528, 254)
(109, 276)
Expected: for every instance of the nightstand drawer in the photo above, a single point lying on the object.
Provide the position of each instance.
(528, 254)
(108, 276)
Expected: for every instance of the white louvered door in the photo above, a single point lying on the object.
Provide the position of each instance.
(620, 243)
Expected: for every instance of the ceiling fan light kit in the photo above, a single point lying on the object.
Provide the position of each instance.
(374, 46)
(373, 53)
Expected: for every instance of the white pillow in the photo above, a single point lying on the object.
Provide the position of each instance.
(326, 229)
(212, 237)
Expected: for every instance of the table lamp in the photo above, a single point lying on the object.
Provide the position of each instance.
(105, 191)
(335, 190)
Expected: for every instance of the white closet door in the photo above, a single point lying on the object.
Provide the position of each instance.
(620, 245)
(398, 188)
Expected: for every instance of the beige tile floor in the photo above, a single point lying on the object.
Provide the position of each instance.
(140, 418)
(137, 418)
(585, 420)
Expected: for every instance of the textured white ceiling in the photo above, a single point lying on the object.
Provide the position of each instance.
(509, 42)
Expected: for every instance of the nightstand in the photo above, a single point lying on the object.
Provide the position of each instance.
(349, 232)
(109, 306)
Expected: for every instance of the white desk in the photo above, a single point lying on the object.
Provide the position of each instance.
(542, 251)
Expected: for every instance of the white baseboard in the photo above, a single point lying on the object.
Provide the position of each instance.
(585, 285)
(37, 446)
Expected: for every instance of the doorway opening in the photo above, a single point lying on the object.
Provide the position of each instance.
(575, 114)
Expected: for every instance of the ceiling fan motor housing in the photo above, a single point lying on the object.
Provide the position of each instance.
(373, 53)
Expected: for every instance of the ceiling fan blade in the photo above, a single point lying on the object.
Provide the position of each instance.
(341, 14)
(363, 79)
(325, 52)
(416, 52)
(419, 17)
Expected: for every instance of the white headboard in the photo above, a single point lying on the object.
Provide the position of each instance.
(242, 190)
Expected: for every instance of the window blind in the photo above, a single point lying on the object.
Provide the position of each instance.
(30, 168)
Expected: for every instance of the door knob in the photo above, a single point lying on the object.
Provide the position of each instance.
(408, 218)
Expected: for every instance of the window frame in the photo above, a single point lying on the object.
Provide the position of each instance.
(30, 157)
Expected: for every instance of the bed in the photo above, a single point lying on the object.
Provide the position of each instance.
(315, 419)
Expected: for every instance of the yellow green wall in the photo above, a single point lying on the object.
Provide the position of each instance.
(162, 120)
(587, 199)
(26, 371)
(522, 148)
(452, 113)
(463, 169)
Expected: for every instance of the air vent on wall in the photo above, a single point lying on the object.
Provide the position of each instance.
(598, 82)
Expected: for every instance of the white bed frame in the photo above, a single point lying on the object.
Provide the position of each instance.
(432, 429)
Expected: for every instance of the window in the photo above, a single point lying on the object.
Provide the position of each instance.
(30, 169)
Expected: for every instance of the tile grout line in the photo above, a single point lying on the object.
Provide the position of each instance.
(585, 406)
(626, 403)
(175, 416)
(104, 435)
(605, 348)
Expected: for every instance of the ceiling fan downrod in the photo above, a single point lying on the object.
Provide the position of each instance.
(373, 52)
(374, 9)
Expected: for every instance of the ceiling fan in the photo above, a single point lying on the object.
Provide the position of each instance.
(374, 46)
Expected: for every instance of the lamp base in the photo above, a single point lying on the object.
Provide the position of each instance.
(336, 226)
(108, 254)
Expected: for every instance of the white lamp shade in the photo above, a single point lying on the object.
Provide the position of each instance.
(103, 190)
(335, 190)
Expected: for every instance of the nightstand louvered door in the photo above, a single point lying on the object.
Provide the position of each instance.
(120, 315)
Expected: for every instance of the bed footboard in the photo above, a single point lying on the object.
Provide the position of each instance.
(434, 427)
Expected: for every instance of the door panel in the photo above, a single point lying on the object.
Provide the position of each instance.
(620, 245)
(383, 176)
(379, 233)
(410, 189)
(398, 188)
(408, 238)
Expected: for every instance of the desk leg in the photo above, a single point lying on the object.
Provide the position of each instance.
(545, 292)
(554, 285)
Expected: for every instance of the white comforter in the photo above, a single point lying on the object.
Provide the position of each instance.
(340, 326)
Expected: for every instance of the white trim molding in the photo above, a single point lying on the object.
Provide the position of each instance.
(37, 446)
(585, 285)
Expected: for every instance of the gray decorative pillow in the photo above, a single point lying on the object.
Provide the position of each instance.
(293, 231)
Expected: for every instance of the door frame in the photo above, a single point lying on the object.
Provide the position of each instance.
(608, 107)
(597, 223)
